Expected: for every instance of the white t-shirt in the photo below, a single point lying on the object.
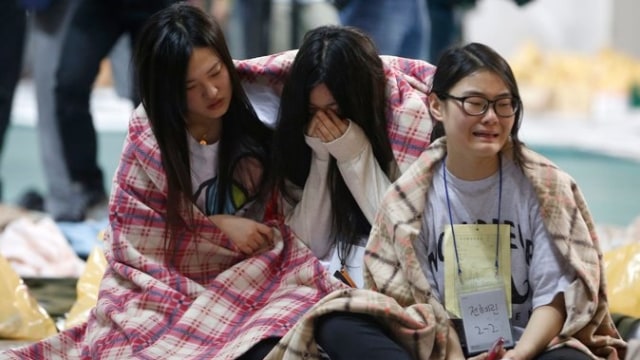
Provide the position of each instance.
(204, 181)
(538, 270)
(204, 173)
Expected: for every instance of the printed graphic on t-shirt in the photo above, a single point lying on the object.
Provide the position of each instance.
(234, 201)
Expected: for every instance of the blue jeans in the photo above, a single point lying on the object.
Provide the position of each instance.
(446, 23)
(255, 16)
(398, 27)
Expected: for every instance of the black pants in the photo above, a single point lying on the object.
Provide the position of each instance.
(260, 350)
(255, 15)
(564, 353)
(351, 336)
(93, 31)
(446, 25)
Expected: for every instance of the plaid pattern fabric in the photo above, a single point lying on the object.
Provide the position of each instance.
(215, 302)
(408, 84)
(391, 266)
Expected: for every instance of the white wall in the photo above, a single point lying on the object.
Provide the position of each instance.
(567, 25)
(625, 28)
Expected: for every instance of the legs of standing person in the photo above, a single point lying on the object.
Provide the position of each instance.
(445, 27)
(135, 14)
(315, 14)
(12, 37)
(311, 14)
(94, 29)
(121, 70)
(415, 43)
(356, 336)
(255, 16)
(47, 32)
(280, 34)
(260, 350)
(398, 27)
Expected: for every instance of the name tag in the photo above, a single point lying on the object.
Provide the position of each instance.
(485, 318)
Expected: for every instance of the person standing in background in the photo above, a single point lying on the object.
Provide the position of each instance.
(446, 18)
(219, 9)
(47, 24)
(255, 18)
(12, 37)
(398, 27)
(94, 28)
(291, 19)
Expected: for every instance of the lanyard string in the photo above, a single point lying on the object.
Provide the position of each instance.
(453, 233)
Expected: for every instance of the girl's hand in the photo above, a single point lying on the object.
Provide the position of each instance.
(327, 126)
(512, 355)
(249, 236)
(485, 356)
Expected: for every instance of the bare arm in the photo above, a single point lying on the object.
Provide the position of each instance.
(545, 323)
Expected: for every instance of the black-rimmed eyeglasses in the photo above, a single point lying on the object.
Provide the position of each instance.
(477, 105)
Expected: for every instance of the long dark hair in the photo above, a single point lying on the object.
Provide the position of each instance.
(458, 62)
(161, 61)
(347, 62)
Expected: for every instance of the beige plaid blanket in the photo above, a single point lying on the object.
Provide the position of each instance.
(402, 296)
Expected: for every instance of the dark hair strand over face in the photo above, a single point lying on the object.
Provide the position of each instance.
(346, 61)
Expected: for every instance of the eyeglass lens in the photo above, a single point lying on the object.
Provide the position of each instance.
(477, 105)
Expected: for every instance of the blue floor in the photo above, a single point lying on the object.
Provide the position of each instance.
(21, 167)
(609, 184)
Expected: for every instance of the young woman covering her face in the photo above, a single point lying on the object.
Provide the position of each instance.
(332, 156)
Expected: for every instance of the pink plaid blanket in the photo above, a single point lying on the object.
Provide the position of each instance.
(215, 302)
